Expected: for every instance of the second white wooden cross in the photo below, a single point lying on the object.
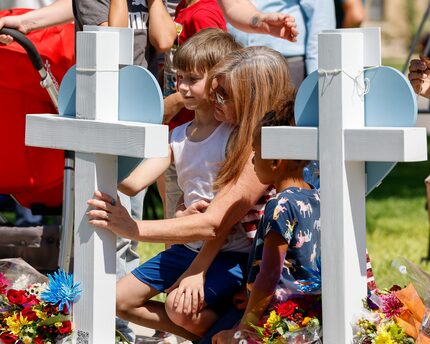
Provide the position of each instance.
(342, 144)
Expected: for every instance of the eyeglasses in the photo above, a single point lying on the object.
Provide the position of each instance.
(220, 99)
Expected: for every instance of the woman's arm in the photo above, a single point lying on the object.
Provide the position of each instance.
(243, 15)
(274, 251)
(162, 29)
(228, 207)
(59, 12)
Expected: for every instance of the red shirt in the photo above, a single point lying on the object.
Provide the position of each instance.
(200, 15)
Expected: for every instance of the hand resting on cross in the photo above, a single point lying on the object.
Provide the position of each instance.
(109, 213)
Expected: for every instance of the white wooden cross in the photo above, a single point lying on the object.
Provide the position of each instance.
(97, 137)
(342, 144)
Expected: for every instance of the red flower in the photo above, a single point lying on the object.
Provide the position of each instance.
(286, 309)
(28, 313)
(38, 339)
(32, 300)
(66, 328)
(16, 297)
(8, 338)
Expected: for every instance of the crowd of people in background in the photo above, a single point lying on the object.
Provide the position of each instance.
(227, 68)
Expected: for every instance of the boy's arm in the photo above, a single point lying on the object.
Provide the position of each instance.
(162, 29)
(144, 175)
(118, 13)
(274, 251)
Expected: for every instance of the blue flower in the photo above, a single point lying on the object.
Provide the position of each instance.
(313, 283)
(61, 290)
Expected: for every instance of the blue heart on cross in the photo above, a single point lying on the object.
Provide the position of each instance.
(389, 102)
(140, 100)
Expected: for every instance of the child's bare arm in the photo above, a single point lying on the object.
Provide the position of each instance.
(191, 282)
(118, 13)
(274, 251)
(144, 175)
(162, 29)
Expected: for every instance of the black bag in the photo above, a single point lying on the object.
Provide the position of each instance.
(38, 246)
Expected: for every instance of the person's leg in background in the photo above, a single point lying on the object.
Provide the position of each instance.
(127, 258)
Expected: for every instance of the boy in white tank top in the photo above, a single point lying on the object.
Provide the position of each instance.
(197, 149)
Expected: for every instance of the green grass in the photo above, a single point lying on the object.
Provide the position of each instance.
(397, 222)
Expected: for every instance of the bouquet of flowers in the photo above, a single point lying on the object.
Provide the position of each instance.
(396, 315)
(290, 322)
(37, 313)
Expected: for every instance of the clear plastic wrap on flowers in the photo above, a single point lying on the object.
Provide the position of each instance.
(20, 273)
(398, 314)
(34, 308)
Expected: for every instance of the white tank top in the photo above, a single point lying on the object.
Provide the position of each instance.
(197, 165)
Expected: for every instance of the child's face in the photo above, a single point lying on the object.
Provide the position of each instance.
(262, 167)
(191, 85)
(224, 107)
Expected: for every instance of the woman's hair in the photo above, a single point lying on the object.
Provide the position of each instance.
(257, 80)
(204, 50)
(283, 116)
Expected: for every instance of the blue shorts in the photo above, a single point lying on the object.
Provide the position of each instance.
(224, 277)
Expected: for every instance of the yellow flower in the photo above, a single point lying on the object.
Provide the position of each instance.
(40, 314)
(58, 324)
(16, 322)
(292, 326)
(306, 320)
(384, 337)
(274, 319)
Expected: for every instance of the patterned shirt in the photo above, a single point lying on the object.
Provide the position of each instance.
(295, 215)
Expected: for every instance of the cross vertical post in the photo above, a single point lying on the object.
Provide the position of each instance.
(343, 184)
(95, 249)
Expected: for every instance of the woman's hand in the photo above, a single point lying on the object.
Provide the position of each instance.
(12, 22)
(190, 295)
(276, 24)
(108, 213)
(419, 76)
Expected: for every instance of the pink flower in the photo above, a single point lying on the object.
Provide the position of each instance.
(390, 305)
(4, 284)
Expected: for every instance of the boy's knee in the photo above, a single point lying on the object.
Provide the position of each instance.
(176, 314)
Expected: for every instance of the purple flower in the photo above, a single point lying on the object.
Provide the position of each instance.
(391, 305)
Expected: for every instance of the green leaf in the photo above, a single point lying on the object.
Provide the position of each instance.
(258, 329)
(56, 318)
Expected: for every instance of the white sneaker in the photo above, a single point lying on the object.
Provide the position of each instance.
(159, 337)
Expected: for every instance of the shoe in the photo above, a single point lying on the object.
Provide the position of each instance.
(159, 337)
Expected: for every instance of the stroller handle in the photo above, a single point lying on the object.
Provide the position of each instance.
(47, 79)
(28, 45)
